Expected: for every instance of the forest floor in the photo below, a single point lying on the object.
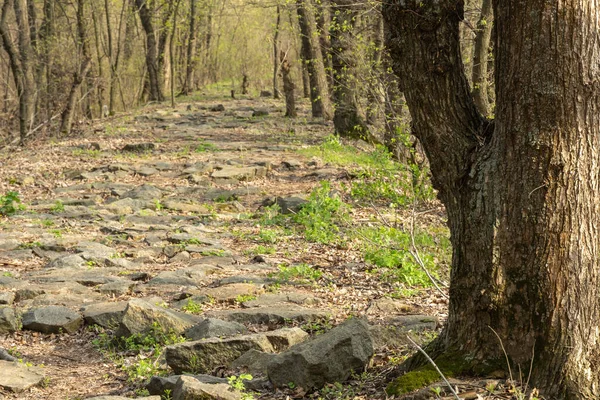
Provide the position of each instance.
(132, 194)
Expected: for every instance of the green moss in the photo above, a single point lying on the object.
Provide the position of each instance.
(451, 365)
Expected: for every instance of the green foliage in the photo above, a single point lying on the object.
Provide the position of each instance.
(272, 216)
(322, 215)
(245, 297)
(389, 249)
(301, 273)
(9, 203)
(237, 383)
(260, 249)
(269, 236)
(93, 153)
(205, 147)
(58, 207)
(317, 327)
(192, 307)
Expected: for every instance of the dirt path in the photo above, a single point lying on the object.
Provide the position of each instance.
(125, 209)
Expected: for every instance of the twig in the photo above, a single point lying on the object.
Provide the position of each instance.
(504, 351)
(434, 366)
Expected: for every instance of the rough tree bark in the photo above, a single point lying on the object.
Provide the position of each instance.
(323, 26)
(521, 192)
(480, 58)
(311, 55)
(348, 119)
(288, 87)
(152, 64)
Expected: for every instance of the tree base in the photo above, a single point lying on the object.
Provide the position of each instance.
(417, 372)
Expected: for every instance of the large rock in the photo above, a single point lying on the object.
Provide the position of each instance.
(161, 384)
(212, 327)
(243, 173)
(52, 319)
(253, 361)
(106, 314)
(203, 356)
(17, 377)
(8, 320)
(328, 358)
(141, 317)
(188, 388)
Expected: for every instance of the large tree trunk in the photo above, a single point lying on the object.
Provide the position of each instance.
(521, 193)
(481, 49)
(311, 54)
(348, 120)
(276, 53)
(288, 87)
(152, 64)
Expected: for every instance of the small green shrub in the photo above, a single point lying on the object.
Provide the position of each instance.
(302, 273)
(192, 307)
(322, 215)
(58, 207)
(9, 203)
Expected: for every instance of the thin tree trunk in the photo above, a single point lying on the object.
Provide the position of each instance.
(319, 93)
(152, 64)
(480, 58)
(276, 60)
(172, 53)
(191, 50)
(323, 26)
(521, 193)
(288, 87)
(81, 74)
(348, 120)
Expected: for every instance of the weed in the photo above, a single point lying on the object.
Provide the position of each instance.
(205, 146)
(47, 223)
(242, 298)
(268, 236)
(317, 327)
(58, 207)
(30, 245)
(272, 216)
(322, 215)
(57, 233)
(158, 206)
(9, 203)
(86, 152)
(237, 383)
(192, 307)
(302, 273)
(260, 249)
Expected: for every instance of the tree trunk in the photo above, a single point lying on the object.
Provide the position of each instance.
(324, 25)
(276, 54)
(480, 58)
(521, 193)
(20, 62)
(311, 54)
(81, 74)
(190, 65)
(348, 120)
(288, 87)
(152, 64)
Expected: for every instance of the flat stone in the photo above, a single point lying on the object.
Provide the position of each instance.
(141, 316)
(202, 356)
(270, 315)
(8, 244)
(415, 322)
(67, 261)
(118, 288)
(254, 361)
(273, 299)
(231, 292)
(189, 388)
(106, 315)
(17, 377)
(185, 207)
(243, 173)
(386, 305)
(127, 206)
(52, 319)
(123, 398)
(212, 327)
(139, 147)
(284, 338)
(144, 192)
(146, 171)
(158, 385)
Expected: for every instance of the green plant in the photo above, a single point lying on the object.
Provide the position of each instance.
(57, 233)
(269, 236)
(322, 215)
(260, 249)
(58, 207)
(237, 383)
(47, 223)
(192, 307)
(302, 273)
(205, 146)
(9, 203)
(245, 297)
(158, 205)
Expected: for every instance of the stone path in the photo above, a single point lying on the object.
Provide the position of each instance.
(131, 226)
